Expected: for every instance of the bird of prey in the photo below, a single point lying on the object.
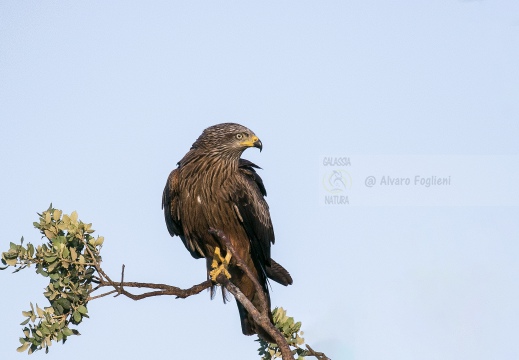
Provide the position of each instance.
(212, 187)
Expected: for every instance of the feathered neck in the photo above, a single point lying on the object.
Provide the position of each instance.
(210, 158)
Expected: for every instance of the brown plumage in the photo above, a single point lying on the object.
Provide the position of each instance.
(212, 187)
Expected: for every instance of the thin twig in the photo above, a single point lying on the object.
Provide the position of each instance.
(121, 283)
(318, 355)
(101, 295)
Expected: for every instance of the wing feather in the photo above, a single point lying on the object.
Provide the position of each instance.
(253, 212)
(171, 206)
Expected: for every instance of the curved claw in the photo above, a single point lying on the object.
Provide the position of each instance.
(220, 264)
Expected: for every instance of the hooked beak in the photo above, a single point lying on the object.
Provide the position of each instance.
(254, 141)
(258, 143)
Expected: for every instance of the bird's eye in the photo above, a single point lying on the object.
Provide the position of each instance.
(239, 136)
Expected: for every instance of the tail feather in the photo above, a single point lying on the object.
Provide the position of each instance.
(278, 273)
(246, 285)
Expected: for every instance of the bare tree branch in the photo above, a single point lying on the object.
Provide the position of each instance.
(261, 319)
(163, 289)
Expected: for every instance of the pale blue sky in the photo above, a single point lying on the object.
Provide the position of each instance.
(98, 101)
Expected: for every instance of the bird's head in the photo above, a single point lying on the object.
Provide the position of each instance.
(227, 139)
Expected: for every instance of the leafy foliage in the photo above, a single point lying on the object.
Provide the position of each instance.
(292, 332)
(68, 260)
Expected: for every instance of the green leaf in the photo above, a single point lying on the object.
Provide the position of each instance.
(58, 309)
(54, 276)
(77, 316)
(57, 214)
(23, 347)
(39, 311)
(30, 249)
(82, 309)
(25, 322)
(67, 332)
(52, 267)
(73, 254)
(100, 240)
(11, 262)
(65, 303)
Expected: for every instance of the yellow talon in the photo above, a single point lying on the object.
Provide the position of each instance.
(224, 263)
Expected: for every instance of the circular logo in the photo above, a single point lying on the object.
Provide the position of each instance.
(337, 181)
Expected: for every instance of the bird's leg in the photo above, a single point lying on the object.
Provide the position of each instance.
(220, 264)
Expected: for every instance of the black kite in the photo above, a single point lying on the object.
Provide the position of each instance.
(212, 187)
